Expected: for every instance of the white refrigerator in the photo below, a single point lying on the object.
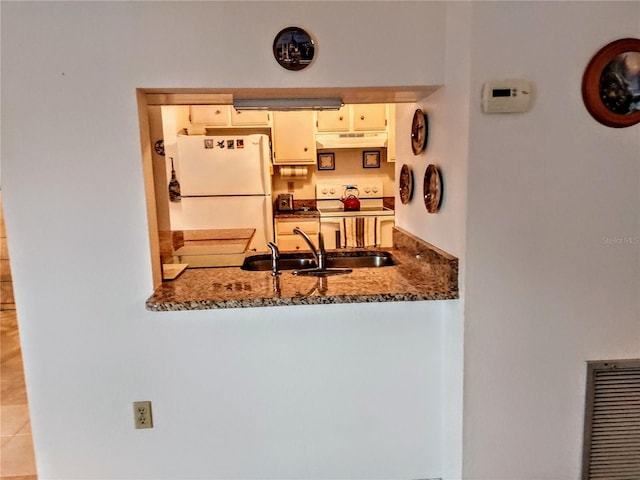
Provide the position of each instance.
(225, 183)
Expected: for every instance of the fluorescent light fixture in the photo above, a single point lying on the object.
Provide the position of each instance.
(287, 104)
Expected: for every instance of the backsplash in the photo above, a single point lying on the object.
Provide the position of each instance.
(348, 169)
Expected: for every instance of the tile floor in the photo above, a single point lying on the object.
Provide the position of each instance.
(17, 460)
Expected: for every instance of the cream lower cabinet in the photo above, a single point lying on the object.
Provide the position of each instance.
(289, 241)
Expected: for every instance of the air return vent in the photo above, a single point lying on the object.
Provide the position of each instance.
(612, 421)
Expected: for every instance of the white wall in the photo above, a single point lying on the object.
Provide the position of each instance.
(349, 391)
(544, 292)
(280, 392)
(447, 145)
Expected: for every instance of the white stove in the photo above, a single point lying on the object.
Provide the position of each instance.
(371, 196)
(371, 226)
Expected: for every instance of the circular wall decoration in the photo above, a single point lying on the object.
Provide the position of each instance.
(611, 84)
(419, 131)
(158, 147)
(406, 184)
(294, 48)
(432, 188)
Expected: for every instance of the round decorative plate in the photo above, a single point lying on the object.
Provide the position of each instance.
(159, 147)
(610, 84)
(406, 184)
(294, 48)
(419, 131)
(432, 189)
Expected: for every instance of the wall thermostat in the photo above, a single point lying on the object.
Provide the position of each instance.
(507, 96)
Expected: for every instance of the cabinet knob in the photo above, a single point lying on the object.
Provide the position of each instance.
(305, 149)
(361, 117)
(341, 117)
(218, 112)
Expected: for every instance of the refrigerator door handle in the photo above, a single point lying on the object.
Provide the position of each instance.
(266, 164)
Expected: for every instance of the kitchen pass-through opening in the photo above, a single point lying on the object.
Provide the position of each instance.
(223, 245)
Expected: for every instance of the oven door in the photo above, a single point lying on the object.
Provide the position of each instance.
(330, 228)
(333, 231)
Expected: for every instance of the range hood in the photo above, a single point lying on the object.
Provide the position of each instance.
(352, 140)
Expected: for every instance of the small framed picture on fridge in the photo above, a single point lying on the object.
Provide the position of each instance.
(371, 159)
(326, 161)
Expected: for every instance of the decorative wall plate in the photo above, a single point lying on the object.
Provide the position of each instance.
(419, 131)
(432, 188)
(294, 48)
(159, 147)
(611, 84)
(406, 184)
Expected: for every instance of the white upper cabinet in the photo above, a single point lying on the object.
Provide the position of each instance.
(355, 118)
(249, 117)
(226, 116)
(391, 128)
(213, 115)
(334, 120)
(369, 116)
(294, 141)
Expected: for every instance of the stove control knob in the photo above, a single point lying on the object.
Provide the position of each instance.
(367, 189)
(375, 189)
(324, 191)
(332, 190)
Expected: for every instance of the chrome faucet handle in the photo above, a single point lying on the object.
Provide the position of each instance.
(275, 257)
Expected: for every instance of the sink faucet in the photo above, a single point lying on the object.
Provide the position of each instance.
(275, 256)
(319, 253)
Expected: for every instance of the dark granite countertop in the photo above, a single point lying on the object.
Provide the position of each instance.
(296, 214)
(423, 272)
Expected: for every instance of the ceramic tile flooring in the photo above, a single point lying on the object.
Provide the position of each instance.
(17, 461)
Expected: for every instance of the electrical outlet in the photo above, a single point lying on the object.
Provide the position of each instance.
(142, 414)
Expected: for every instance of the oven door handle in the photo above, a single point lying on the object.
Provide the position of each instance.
(333, 220)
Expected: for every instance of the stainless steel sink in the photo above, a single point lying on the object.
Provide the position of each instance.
(335, 260)
(355, 259)
(287, 261)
